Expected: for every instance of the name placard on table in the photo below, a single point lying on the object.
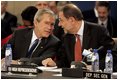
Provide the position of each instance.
(23, 69)
(97, 75)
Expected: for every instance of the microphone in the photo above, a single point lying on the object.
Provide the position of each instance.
(100, 48)
(24, 66)
(25, 61)
(76, 67)
(79, 64)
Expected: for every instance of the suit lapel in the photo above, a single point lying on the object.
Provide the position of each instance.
(40, 47)
(27, 41)
(86, 36)
(5, 17)
(69, 44)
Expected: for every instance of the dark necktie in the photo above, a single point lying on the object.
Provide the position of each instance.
(102, 24)
(78, 54)
(32, 48)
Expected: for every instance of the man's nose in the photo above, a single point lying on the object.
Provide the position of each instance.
(43, 7)
(101, 15)
(59, 24)
(50, 27)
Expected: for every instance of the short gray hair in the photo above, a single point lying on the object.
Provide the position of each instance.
(40, 12)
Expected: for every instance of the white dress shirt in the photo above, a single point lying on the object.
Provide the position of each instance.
(104, 22)
(2, 16)
(96, 13)
(80, 32)
(34, 37)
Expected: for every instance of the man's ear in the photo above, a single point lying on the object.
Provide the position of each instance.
(35, 22)
(71, 19)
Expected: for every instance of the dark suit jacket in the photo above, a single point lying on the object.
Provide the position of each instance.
(11, 20)
(20, 44)
(58, 30)
(111, 26)
(94, 36)
(5, 29)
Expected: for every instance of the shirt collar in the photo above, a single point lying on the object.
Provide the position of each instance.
(104, 22)
(80, 32)
(96, 13)
(34, 37)
(2, 16)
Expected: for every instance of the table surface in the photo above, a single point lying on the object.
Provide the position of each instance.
(43, 75)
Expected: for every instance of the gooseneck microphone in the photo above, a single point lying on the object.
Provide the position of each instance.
(79, 64)
(82, 64)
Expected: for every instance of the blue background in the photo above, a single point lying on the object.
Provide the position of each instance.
(86, 5)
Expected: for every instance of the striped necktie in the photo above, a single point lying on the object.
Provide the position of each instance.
(32, 48)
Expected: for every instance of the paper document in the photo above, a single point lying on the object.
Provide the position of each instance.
(52, 69)
(57, 74)
(56, 70)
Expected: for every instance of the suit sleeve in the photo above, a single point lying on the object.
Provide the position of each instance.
(105, 40)
(61, 57)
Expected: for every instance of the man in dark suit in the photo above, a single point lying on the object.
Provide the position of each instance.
(23, 40)
(103, 18)
(8, 17)
(90, 35)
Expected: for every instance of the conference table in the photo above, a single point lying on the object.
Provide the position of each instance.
(47, 73)
(43, 75)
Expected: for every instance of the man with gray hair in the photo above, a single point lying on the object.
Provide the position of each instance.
(46, 44)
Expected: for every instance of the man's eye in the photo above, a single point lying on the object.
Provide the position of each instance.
(39, 4)
(46, 23)
(45, 4)
(52, 24)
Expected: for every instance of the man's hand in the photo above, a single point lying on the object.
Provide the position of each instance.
(48, 62)
(3, 61)
(14, 62)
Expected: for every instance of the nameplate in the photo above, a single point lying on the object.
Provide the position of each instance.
(97, 75)
(23, 69)
(72, 72)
